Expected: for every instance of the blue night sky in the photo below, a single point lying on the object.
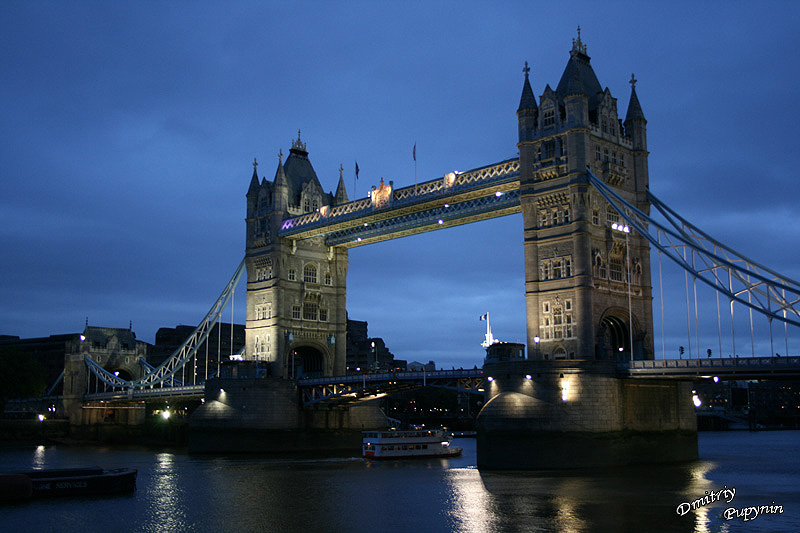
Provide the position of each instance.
(128, 131)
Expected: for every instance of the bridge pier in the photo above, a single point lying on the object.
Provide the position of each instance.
(578, 414)
(266, 415)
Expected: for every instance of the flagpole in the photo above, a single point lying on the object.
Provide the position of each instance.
(415, 168)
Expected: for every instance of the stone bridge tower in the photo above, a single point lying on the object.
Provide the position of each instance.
(576, 287)
(296, 318)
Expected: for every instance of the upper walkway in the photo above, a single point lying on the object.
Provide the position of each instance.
(387, 213)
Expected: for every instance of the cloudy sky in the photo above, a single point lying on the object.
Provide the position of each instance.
(127, 132)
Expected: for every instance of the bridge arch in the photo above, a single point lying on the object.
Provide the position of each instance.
(614, 336)
(307, 360)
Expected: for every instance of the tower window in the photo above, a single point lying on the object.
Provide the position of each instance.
(296, 310)
(549, 117)
(310, 273)
(310, 311)
(323, 314)
(306, 205)
(595, 216)
(548, 149)
(615, 268)
(328, 279)
(292, 275)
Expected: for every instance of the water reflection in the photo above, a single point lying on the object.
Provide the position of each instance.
(39, 459)
(166, 504)
(469, 505)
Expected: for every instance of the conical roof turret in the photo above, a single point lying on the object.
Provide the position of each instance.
(254, 185)
(634, 108)
(527, 100)
(280, 175)
(341, 191)
(579, 77)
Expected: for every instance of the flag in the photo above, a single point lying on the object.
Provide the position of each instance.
(485, 317)
(414, 152)
(356, 169)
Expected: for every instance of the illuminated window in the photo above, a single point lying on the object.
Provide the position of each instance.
(568, 326)
(310, 273)
(558, 318)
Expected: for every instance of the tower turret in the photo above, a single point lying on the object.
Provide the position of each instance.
(280, 198)
(341, 192)
(528, 111)
(634, 120)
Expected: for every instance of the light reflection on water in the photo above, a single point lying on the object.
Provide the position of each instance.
(179, 492)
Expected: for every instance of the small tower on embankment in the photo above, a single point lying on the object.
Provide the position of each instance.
(587, 291)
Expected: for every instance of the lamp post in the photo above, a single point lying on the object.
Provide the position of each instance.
(627, 230)
(536, 341)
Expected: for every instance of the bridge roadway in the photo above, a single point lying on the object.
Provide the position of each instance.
(354, 388)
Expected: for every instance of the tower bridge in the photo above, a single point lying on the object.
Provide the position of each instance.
(581, 183)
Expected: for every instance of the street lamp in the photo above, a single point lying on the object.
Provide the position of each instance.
(626, 230)
(536, 341)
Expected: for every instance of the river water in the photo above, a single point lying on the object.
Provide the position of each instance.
(177, 492)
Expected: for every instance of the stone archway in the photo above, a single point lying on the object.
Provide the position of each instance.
(613, 339)
(305, 362)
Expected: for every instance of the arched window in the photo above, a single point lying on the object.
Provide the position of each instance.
(310, 273)
(328, 279)
(306, 205)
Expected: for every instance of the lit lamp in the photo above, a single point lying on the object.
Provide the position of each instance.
(536, 341)
(626, 230)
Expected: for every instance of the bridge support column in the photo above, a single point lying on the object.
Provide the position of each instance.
(267, 415)
(579, 414)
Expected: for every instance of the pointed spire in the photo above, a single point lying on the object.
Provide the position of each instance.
(527, 100)
(280, 175)
(577, 45)
(253, 190)
(341, 191)
(634, 108)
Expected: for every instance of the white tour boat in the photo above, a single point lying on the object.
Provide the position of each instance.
(393, 444)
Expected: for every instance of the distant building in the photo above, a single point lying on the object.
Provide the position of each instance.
(169, 340)
(365, 353)
(505, 351)
(416, 366)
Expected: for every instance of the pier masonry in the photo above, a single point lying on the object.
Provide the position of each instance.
(574, 414)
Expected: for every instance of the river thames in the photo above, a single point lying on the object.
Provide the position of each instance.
(177, 492)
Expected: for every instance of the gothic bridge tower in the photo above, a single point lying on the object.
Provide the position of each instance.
(576, 288)
(296, 317)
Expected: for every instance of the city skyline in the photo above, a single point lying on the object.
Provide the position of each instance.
(130, 131)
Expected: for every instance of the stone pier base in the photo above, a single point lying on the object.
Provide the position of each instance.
(577, 414)
(266, 416)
